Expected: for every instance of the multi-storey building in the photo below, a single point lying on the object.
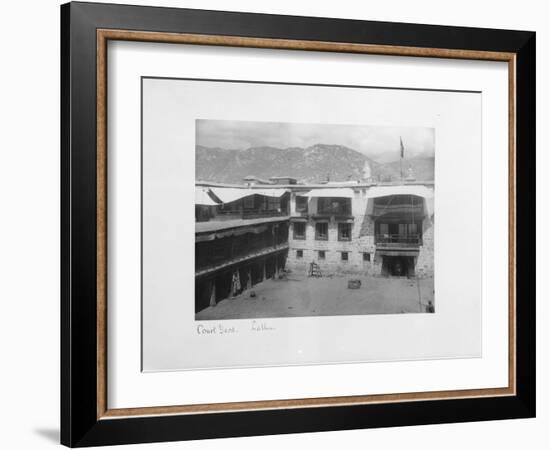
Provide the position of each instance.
(245, 234)
(363, 229)
(241, 239)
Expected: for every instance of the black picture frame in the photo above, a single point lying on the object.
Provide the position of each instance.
(80, 425)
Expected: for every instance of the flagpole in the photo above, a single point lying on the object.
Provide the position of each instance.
(402, 149)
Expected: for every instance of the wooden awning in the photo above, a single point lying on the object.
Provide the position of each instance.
(228, 195)
(423, 192)
(202, 198)
(330, 192)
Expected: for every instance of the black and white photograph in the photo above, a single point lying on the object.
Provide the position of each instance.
(298, 219)
(290, 220)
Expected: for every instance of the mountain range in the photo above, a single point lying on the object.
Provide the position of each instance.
(317, 163)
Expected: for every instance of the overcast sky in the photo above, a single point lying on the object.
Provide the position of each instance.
(379, 143)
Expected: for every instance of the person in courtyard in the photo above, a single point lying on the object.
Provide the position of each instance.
(236, 284)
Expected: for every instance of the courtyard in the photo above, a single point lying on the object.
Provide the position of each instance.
(295, 296)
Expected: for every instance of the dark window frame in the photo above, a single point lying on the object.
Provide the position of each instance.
(334, 206)
(303, 208)
(249, 203)
(318, 236)
(300, 237)
(273, 204)
(341, 226)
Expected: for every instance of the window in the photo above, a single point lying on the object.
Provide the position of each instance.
(366, 256)
(322, 254)
(321, 231)
(299, 230)
(345, 256)
(344, 231)
(333, 205)
(408, 229)
(323, 205)
(413, 228)
(248, 202)
(301, 204)
(299, 253)
(273, 204)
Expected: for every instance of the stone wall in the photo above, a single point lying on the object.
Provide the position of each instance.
(333, 248)
(425, 262)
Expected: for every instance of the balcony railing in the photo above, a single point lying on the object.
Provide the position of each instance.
(259, 214)
(334, 212)
(244, 214)
(251, 253)
(398, 240)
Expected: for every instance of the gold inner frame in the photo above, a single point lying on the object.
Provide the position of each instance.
(104, 35)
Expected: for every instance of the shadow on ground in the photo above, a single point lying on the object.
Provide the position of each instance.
(49, 434)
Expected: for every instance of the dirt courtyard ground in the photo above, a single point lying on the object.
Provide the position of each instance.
(309, 296)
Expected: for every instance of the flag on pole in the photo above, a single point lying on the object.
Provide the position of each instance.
(401, 159)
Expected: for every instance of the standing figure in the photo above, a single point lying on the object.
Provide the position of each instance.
(236, 284)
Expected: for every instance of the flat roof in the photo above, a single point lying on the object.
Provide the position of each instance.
(216, 225)
(332, 185)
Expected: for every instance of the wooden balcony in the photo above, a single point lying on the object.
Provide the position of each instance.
(250, 254)
(336, 212)
(393, 241)
(248, 214)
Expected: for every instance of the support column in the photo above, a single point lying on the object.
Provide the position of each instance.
(263, 270)
(292, 203)
(249, 279)
(212, 292)
(276, 275)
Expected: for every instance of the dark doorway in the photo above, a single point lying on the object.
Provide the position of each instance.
(398, 266)
(223, 286)
(257, 273)
(243, 275)
(202, 294)
(282, 260)
(269, 268)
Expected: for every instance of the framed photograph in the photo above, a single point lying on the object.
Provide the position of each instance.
(276, 224)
